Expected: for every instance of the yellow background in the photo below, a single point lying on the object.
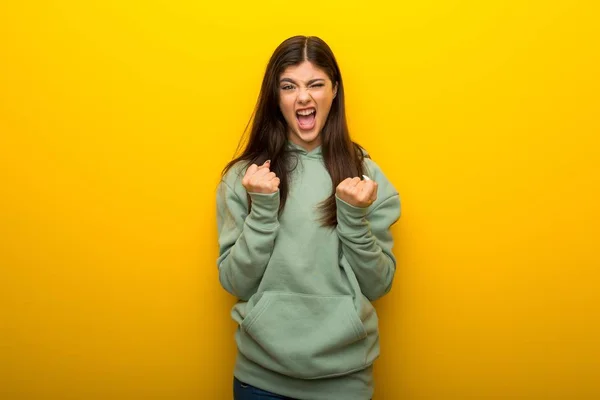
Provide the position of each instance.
(116, 118)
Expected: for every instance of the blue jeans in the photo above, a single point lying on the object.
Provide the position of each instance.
(243, 391)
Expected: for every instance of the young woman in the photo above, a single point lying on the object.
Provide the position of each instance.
(304, 219)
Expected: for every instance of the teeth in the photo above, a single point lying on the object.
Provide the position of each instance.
(306, 112)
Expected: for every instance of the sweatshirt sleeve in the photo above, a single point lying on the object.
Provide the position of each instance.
(367, 243)
(246, 240)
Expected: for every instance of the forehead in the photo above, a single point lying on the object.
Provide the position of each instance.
(304, 72)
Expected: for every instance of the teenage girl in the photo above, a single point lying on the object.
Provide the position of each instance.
(304, 219)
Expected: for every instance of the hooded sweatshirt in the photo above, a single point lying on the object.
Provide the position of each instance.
(306, 326)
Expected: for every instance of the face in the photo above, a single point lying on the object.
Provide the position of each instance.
(306, 94)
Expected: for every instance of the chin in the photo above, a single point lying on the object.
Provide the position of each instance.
(308, 136)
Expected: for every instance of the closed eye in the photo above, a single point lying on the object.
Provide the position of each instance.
(287, 87)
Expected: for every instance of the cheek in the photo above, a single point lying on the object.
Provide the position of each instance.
(324, 102)
(287, 106)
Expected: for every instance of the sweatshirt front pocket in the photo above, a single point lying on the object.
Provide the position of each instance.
(304, 336)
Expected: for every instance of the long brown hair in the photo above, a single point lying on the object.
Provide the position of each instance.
(268, 137)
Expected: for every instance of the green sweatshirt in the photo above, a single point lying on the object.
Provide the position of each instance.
(307, 328)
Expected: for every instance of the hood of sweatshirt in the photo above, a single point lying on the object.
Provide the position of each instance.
(315, 153)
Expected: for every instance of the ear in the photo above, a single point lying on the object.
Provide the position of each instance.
(335, 90)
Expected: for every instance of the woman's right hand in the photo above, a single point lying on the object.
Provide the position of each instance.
(260, 179)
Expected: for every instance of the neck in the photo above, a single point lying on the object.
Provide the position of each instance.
(308, 146)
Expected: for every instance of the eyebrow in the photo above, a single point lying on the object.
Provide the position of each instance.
(308, 83)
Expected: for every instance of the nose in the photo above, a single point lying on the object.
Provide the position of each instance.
(303, 96)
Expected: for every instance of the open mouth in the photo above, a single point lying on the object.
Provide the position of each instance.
(306, 118)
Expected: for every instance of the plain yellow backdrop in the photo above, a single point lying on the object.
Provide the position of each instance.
(116, 118)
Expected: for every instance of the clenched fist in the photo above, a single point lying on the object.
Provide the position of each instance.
(357, 192)
(260, 179)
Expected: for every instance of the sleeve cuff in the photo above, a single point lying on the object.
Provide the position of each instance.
(348, 214)
(265, 207)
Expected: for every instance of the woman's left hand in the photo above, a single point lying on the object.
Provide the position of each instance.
(357, 192)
